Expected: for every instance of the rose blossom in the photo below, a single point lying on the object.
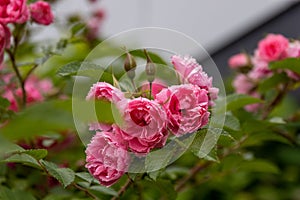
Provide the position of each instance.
(106, 92)
(41, 12)
(192, 72)
(144, 125)
(184, 65)
(238, 60)
(186, 107)
(272, 47)
(106, 161)
(243, 84)
(260, 68)
(4, 40)
(13, 11)
(35, 89)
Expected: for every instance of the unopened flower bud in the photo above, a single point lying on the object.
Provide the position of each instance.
(150, 68)
(130, 65)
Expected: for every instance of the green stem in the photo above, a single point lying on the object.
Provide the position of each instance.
(19, 77)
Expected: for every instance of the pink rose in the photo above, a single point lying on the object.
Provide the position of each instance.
(184, 65)
(186, 107)
(273, 47)
(260, 68)
(9, 95)
(41, 12)
(256, 106)
(144, 125)
(103, 91)
(94, 23)
(13, 11)
(106, 161)
(238, 60)
(293, 51)
(4, 40)
(192, 72)
(243, 84)
(35, 89)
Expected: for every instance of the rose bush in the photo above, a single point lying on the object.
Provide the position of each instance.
(147, 117)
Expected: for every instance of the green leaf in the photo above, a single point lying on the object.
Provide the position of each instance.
(232, 123)
(52, 116)
(85, 176)
(35, 153)
(259, 166)
(272, 82)
(161, 158)
(205, 142)
(4, 103)
(292, 64)
(236, 101)
(76, 28)
(7, 147)
(64, 175)
(7, 194)
(87, 69)
(104, 190)
(23, 159)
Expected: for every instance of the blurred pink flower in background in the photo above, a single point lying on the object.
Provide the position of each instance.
(238, 60)
(41, 13)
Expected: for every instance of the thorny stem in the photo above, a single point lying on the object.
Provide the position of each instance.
(123, 189)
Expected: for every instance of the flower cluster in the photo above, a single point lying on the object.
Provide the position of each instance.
(35, 89)
(18, 12)
(255, 68)
(147, 123)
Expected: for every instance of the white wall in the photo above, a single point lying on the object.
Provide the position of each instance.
(209, 22)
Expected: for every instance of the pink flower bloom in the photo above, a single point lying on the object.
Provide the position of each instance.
(184, 65)
(273, 47)
(254, 107)
(243, 84)
(260, 68)
(105, 92)
(106, 161)
(12, 100)
(41, 12)
(35, 89)
(186, 107)
(238, 60)
(13, 11)
(293, 51)
(4, 40)
(192, 72)
(144, 125)
(94, 23)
